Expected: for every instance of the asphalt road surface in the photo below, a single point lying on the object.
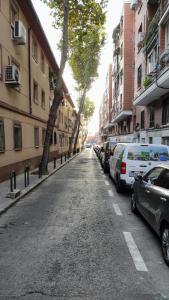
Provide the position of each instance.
(74, 237)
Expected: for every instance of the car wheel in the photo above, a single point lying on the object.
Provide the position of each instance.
(133, 203)
(165, 243)
(118, 185)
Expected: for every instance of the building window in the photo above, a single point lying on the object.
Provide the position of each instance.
(60, 140)
(51, 139)
(165, 112)
(152, 60)
(167, 35)
(150, 140)
(139, 77)
(42, 62)
(36, 137)
(165, 140)
(13, 17)
(35, 92)
(35, 49)
(2, 136)
(142, 119)
(17, 136)
(55, 138)
(151, 110)
(43, 100)
(43, 135)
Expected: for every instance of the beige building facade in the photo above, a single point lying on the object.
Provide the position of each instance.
(27, 66)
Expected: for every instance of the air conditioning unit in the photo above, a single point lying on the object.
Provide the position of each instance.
(19, 35)
(133, 4)
(12, 75)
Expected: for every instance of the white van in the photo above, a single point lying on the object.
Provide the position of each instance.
(129, 159)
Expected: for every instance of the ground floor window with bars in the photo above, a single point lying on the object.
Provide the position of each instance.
(36, 137)
(2, 136)
(17, 136)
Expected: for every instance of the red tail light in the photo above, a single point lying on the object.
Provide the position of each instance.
(123, 168)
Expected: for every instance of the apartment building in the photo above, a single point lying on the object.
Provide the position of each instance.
(122, 85)
(27, 69)
(106, 108)
(151, 88)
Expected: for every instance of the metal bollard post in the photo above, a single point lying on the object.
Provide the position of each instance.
(11, 182)
(40, 173)
(54, 161)
(65, 156)
(61, 159)
(27, 175)
(14, 179)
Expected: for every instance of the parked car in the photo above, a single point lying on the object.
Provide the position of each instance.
(88, 145)
(130, 159)
(106, 149)
(150, 196)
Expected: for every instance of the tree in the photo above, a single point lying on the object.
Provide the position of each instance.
(74, 18)
(84, 61)
(87, 111)
(88, 108)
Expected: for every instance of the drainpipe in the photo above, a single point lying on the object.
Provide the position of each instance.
(29, 72)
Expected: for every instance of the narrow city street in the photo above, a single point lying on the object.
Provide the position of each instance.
(74, 237)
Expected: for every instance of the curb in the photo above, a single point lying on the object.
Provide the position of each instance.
(31, 188)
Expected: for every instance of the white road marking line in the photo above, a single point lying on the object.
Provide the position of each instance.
(106, 182)
(110, 192)
(117, 210)
(135, 253)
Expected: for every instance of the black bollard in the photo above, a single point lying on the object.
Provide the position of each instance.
(11, 182)
(54, 163)
(14, 179)
(61, 159)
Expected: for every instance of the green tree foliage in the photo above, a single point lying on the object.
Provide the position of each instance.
(88, 108)
(80, 22)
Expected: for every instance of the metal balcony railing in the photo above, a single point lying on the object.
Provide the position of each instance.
(164, 7)
(152, 29)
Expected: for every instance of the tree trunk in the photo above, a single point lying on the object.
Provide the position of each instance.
(76, 137)
(58, 93)
(75, 132)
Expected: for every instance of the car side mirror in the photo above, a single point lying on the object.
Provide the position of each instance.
(138, 178)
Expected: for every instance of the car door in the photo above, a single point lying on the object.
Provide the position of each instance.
(146, 192)
(159, 198)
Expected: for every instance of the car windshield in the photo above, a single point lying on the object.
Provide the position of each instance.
(148, 153)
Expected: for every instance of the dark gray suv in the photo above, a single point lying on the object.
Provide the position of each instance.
(150, 196)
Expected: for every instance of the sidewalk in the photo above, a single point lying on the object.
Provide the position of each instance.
(34, 181)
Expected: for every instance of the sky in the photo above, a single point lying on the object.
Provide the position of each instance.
(96, 92)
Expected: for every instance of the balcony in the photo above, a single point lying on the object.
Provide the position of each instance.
(153, 91)
(121, 116)
(164, 12)
(152, 30)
